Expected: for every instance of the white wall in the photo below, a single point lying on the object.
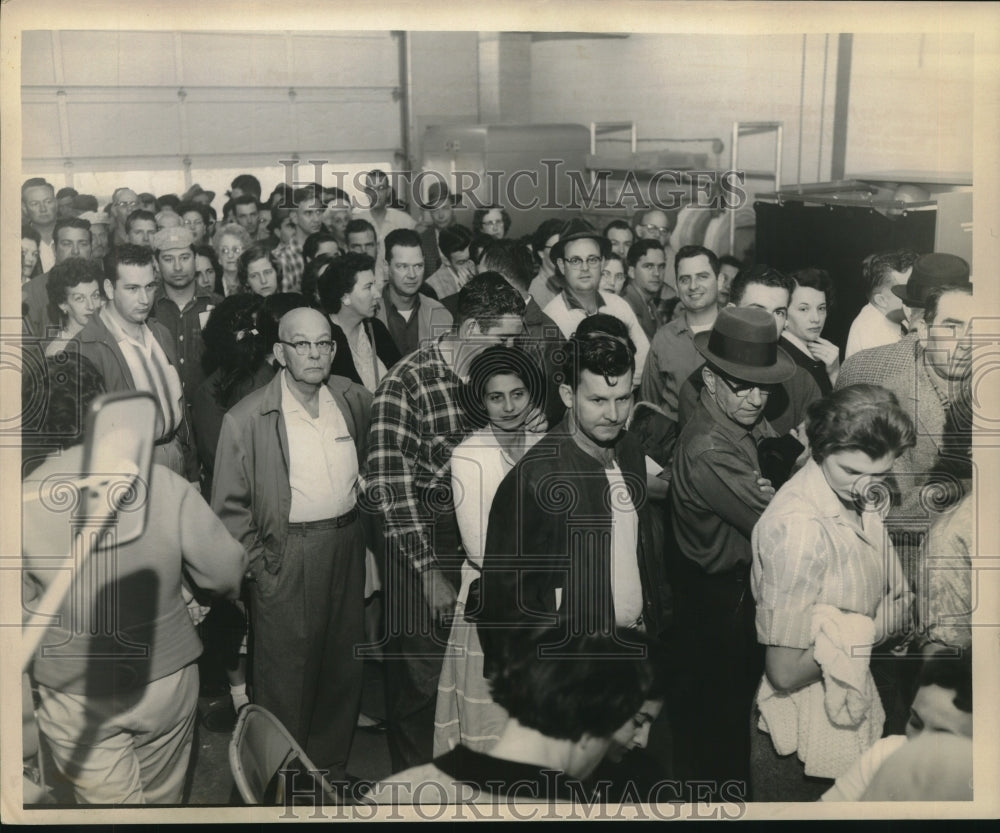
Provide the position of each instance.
(179, 106)
(911, 103)
(687, 86)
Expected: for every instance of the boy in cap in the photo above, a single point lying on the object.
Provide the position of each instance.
(181, 305)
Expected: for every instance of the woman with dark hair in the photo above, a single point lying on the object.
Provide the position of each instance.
(208, 270)
(74, 290)
(257, 270)
(364, 349)
(235, 363)
(30, 241)
(492, 220)
(807, 313)
(504, 385)
(569, 699)
(827, 583)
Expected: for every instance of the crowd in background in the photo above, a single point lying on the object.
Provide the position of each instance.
(599, 506)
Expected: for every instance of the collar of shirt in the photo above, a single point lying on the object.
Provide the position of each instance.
(118, 332)
(796, 341)
(679, 326)
(291, 405)
(817, 491)
(571, 302)
(390, 306)
(199, 293)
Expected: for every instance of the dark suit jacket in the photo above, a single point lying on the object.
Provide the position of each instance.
(378, 334)
(551, 527)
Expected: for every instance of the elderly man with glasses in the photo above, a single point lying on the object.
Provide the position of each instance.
(286, 487)
(123, 202)
(717, 496)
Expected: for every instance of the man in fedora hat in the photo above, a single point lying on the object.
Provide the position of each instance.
(198, 194)
(930, 273)
(439, 208)
(716, 498)
(578, 256)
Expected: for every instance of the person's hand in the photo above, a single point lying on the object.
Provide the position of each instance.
(764, 485)
(826, 352)
(439, 594)
(893, 615)
(536, 421)
(799, 432)
(466, 271)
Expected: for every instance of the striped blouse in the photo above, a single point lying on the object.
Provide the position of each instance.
(805, 553)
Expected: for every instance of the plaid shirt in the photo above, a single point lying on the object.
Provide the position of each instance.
(416, 424)
(289, 257)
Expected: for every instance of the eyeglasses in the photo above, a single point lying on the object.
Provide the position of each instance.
(652, 228)
(492, 223)
(129, 205)
(743, 389)
(592, 261)
(235, 250)
(324, 347)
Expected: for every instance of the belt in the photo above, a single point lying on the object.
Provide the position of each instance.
(327, 523)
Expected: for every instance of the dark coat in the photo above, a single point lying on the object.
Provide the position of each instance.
(550, 527)
(378, 334)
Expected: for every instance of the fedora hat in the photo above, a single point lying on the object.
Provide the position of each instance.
(930, 272)
(196, 191)
(437, 195)
(577, 230)
(743, 343)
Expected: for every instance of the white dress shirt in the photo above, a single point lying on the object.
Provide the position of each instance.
(322, 459)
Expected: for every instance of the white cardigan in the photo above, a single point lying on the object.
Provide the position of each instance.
(477, 468)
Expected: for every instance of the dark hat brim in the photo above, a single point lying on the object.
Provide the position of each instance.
(559, 248)
(910, 301)
(782, 370)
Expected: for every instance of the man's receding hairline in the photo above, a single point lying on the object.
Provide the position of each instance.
(288, 319)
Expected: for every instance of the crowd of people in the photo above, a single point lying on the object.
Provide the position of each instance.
(599, 507)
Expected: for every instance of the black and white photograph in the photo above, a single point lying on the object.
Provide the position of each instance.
(422, 412)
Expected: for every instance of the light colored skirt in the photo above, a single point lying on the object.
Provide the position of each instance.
(465, 711)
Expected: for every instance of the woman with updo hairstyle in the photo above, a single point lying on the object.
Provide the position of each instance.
(807, 310)
(363, 347)
(258, 271)
(75, 297)
(504, 385)
(235, 364)
(822, 563)
(492, 220)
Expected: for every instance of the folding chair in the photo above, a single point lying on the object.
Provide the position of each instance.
(260, 750)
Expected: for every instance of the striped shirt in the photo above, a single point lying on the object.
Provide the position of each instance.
(416, 424)
(151, 371)
(805, 553)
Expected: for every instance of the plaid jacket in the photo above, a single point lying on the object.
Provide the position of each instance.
(416, 423)
(879, 364)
